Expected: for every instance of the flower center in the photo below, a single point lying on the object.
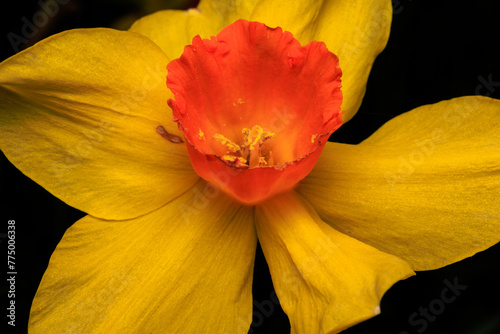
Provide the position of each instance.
(255, 107)
(250, 152)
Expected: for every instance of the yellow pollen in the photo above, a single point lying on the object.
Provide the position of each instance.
(231, 146)
(255, 136)
(230, 158)
(313, 138)
(238, 160)
(237, 103)
(250, 150)
(201, 135)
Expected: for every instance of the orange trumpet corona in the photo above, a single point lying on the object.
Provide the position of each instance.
(255, 107)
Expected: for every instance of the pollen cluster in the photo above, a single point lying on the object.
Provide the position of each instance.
(251, 152)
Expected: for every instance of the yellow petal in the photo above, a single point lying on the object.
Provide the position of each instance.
(174, 29)
(78, 115)
(325, 280)
(185, 268)
(357, 31)
(425, 187)
(171, 30)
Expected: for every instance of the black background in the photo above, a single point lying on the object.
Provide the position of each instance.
(437, 50)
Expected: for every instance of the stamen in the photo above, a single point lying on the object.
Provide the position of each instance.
(233, 147)
(255, 134)
(270, 159)
(238, 160)
(230, 158)
(250, 150)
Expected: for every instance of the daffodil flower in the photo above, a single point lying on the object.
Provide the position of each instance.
(175, 208)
